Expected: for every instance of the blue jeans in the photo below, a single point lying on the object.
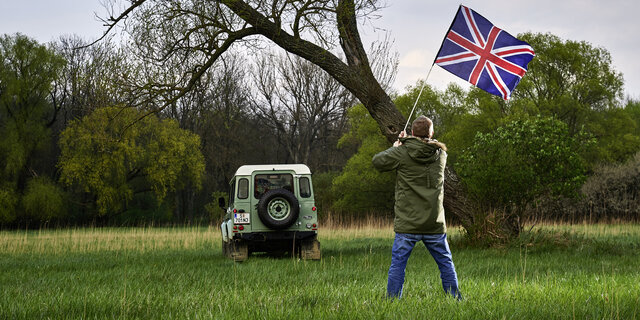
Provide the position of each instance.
(439, 249)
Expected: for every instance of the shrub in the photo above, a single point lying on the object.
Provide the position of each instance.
(8, 201)
(324, 196)
(614, 191)
(213, 209)
(43, 199)
(520, 161)
(360, 190)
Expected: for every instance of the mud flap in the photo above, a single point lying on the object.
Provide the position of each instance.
(236, 250)
(310, 250)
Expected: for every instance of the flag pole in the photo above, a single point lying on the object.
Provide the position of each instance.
(434, 62)
(419, 94)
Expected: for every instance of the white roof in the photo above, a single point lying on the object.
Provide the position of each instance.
(249, 169)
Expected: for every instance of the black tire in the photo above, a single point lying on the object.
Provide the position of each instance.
(278, 209)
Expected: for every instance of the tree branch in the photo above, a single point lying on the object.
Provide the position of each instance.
(112, 22)
(356, 77)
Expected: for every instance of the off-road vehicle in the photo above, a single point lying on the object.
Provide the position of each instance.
(271, 209)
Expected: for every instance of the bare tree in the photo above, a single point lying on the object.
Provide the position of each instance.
(89, 79)
(300, 102)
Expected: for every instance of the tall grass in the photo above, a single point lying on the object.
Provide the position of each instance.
(584, 272)
(84, 240)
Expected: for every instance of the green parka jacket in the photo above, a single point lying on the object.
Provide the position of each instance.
(419, 166)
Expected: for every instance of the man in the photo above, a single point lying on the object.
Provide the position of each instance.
(419, 162)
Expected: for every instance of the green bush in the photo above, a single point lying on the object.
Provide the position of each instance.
(213, 209)
(359, 189)
(323, 194)
(507, 169)
(43, 200)
(8, 201)
(613, 191)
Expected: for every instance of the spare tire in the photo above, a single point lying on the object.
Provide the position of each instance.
(278, 209)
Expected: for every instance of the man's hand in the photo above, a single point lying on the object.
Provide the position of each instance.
(401, 135)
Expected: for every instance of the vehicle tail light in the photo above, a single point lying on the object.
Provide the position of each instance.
(314, 209)
(235, 210)
(241, 228)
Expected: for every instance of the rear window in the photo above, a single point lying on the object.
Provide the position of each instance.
(243, 188)
(266, 182)
(305, 187)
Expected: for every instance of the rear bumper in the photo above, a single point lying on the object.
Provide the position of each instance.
(275, 236)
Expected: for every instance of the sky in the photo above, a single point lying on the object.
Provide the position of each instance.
(416, 26)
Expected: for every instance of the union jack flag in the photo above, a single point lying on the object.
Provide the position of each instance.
(486, 56)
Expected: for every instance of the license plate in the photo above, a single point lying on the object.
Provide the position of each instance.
(241, 218)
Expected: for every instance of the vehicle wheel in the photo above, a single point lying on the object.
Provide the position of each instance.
(310, 250)
(278, 209)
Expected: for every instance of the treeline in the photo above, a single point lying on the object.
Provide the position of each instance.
(89, 136)
(81, 142)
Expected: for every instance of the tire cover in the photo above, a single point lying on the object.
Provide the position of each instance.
(278, 209)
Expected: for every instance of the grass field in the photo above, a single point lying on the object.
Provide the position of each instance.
(559, 272)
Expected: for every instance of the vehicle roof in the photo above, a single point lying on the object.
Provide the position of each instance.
(247, 170)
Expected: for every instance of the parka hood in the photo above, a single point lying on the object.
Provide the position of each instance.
(423, 150)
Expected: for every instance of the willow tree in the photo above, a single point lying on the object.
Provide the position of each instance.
(104, 155)
(192, 35)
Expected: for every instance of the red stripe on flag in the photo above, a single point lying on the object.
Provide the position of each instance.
(507, 52)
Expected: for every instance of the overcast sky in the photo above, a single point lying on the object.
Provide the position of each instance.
(417, 26)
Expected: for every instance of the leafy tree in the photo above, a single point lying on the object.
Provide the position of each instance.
(633, 109)
(114, 156)
(360, 187)
(27, 71)
(505, 170)
(575, 82)
(617, 135)
(475, 111)
(323, 193)
(568, 79)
